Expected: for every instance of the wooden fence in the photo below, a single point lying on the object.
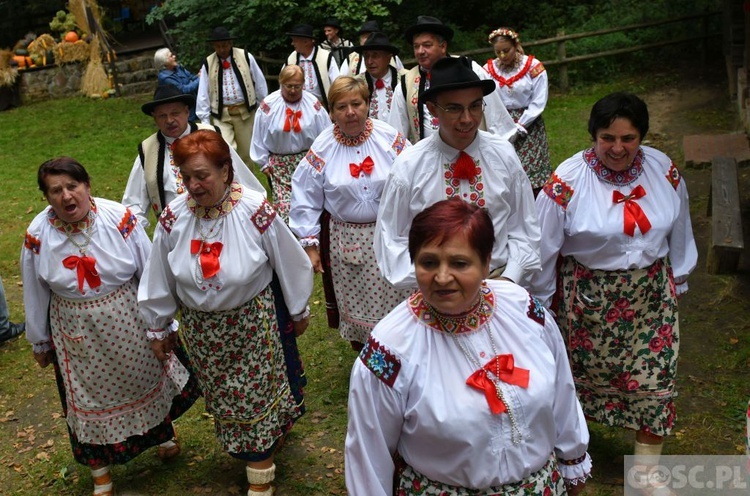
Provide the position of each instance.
(562, 61)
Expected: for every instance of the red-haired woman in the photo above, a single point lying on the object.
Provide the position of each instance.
(215, 252)
(468, 380)
(522, 85)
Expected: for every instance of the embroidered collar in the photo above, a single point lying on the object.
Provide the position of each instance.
(502, 81)
(615, 178)
(353, 140)
(225, 205)
(469, 322)
(72, 227)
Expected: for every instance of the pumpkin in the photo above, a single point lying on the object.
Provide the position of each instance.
(71, 37)
(22, 61)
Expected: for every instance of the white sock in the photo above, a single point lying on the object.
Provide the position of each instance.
(98, 473)
(168, 444)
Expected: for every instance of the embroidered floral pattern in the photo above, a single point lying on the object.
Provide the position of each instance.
(216, 211)
(32, 243)
(536, 70)
(673, 176)
(453, 185)
(314, 160)
(493, 65)
(72, 227)
(264, 107)
(264, 216)
(415, 104)
(399, 143)
(317, 105)
(478, 317)
(616, 178)
(558, 191)
(353, 140)
(375, 105)
(536, 310)
(167, 219)
(127, 224)
(381, 362)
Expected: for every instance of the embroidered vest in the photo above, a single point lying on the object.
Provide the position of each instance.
(322, 60)
(215, 72)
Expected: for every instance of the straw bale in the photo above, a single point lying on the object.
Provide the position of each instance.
(66, 52)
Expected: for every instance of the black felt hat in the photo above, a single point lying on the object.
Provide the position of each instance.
(220, 33)
(455, 73)
(333, 22)
(376, 41)
(428, 24)
(166, 93)
(369, 27)
(302, 30)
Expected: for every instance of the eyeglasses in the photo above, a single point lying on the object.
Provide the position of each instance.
(474, 109)
(292, 87)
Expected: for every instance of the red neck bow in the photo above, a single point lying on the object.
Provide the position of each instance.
(379, 84)
(86, 269)
(226, 64)
(503, 365)
(292, 121)
(366, 166)
(209, 256)
(633, 212)
(464, 167)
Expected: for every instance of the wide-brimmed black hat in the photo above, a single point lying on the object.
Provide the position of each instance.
(455, 73)
(166, 93)
(333, 22)
(302, 30)
(428, 24)
(376, 41)
(220, 33)
(369, 27)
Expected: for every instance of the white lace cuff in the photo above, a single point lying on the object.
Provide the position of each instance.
(42, 347)
(575, 471)
(305, 314)
(309, 241)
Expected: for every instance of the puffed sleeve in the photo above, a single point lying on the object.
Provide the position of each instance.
(36, 295)
(136, 194)
(202, 103)
(523, 226)
(243, 175)
(572, 433)
(683, 254)
(308, 199)
(539, 94)
(258, 150)
(157, 300)
(140, 246)
(376, 416)
(391, 241)
(261, 87)
(552, 224)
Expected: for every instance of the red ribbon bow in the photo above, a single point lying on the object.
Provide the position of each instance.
(633, 212)
(366, 166)
(226, 64)
(465, 167)
(86, 269)
(292, 121)
(209, 256)
(379, 84)
(502, 364)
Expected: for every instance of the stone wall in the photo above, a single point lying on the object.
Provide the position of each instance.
(47, 83)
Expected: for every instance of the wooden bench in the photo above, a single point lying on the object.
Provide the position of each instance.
(724, 209)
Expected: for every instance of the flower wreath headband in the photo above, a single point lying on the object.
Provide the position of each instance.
(503, 32)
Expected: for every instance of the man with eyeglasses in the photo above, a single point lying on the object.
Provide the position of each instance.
(459, 160)
(429, 38)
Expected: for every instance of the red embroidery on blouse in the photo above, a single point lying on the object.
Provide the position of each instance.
(127, 224)
(263, 217)
(32, 243)
(558, 191)
(673, 176)
(509, 82)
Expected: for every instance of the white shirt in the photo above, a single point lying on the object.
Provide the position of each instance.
(408, 392)
(268, 131)
(311, 80)
(387, 105)
(417, 180)
(590, 226)
(136, 196)
(529, 92)
(249, 256)
(323, 179)
(118, 259)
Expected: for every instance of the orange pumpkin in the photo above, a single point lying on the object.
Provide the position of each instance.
(71, 37)
(23, 61)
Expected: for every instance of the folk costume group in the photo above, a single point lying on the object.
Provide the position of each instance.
(496, 306)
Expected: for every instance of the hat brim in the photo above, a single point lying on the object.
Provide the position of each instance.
(298, 35)
(487, 86)
(386, 48)
(148, 108)
(222, 38)
(440, 29)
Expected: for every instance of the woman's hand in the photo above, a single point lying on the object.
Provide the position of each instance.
(163, 347)
(300, 326)
(312, 252)
(44, 358)
(268, 171)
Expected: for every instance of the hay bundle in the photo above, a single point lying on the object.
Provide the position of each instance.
(66, 52)
(39, 47)
(95, 80)
(8, 72)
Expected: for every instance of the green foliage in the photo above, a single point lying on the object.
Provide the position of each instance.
(62, 22)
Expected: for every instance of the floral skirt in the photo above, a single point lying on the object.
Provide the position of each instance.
(546, 481)
(363, 295)
(239, 362)
(622, 334)
(283, 167)
(533, 150)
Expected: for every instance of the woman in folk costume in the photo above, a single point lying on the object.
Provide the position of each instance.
(522, 85)
(287, 122)
(81, 263)
(344, 173)
(215, 252)
(617, 249)
(466, 383)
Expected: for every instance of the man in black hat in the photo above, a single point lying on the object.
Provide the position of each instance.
(230, 86)
(154, 179)
(429, 38)
(334, 42)
(355, 64)
(460, 161)
(382, 78)
(318, 65)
